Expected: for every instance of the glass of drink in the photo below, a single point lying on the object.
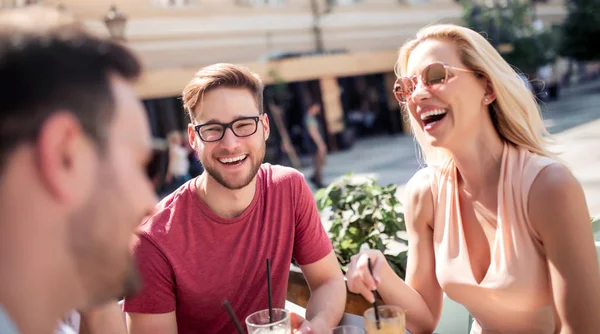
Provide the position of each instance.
(392, 320)
(258, 322)
(348, 329)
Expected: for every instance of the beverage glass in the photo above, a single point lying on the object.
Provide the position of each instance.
(392, 320)
(348, 329)
(258, 322)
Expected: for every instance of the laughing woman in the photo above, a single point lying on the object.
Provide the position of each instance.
(495, 221)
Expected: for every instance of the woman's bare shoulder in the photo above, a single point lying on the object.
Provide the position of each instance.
(419, 184)
(418, 196)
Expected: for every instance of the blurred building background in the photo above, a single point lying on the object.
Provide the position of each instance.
(339, 53)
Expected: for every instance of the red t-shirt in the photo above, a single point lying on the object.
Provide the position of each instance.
(191, 260)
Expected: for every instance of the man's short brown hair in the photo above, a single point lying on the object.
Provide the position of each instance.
(49, 63)
(221, 75)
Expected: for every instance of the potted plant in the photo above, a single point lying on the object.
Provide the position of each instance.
(358, 214)
(362, 214)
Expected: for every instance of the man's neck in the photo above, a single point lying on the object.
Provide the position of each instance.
(33, 292)
(39, 282)
(224, 202)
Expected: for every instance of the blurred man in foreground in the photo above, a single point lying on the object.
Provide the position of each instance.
(74, 142)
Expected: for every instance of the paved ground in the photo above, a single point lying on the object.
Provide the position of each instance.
(574, 120)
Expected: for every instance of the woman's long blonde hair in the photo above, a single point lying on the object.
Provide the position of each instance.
(515, 112)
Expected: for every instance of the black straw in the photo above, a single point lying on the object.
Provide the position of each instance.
(374, 298)
(270, 293)
(236, 322)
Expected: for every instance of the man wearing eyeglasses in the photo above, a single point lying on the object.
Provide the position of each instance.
(210, 239)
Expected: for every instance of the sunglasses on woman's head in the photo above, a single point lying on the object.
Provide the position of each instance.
(433, 74)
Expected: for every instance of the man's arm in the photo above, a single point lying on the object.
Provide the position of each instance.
(109, 319)
(328, 293)
(145, 323)
(104, 319)
(314, 253)
(152, 310)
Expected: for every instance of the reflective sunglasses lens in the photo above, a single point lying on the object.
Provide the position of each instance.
(403, 88)
(434, 74)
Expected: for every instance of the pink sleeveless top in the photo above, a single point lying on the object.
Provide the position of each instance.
(515, 295)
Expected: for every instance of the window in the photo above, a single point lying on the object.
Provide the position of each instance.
(17, 3)
(175, 3)
(420, 2)
(259, 3)
(343, 2)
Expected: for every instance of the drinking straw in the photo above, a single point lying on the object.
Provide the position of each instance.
(269, 290)
(235, 320)
(375, 298)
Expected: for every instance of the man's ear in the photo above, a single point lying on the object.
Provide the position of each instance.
(192, 136)
(65, 157)
(266, 126)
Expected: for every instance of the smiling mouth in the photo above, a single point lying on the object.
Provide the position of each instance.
(233, 161)
(433, 116)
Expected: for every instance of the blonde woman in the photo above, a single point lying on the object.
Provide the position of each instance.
(495, 221)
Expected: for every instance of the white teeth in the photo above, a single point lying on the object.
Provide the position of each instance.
(433, 112)
(230, 160)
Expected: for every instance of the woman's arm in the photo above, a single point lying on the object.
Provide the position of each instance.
(421, 294)
(559, 213)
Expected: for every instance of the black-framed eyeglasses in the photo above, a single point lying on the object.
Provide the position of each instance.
(241, 127)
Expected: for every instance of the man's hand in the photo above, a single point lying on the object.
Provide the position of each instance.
(107, 318)
(303, 326)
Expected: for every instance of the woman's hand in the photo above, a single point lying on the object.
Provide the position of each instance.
(359, 278)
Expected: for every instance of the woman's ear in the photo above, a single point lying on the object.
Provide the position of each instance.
(490, 95)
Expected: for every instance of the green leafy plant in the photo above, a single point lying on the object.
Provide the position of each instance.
(363, 214)
(580, 28)
(510, 23)
(596, 225)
